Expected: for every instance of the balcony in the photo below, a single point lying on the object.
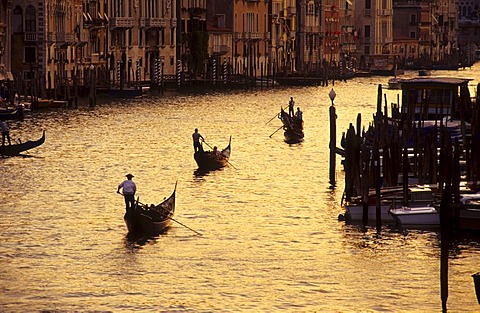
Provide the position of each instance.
(95, 58)
(30, 37)
(266, 36)
(70, 38)
(254, 36)
(385, 12)
(313, 29)
(121, 22)
(367, 12)
(156, 23)
(220, 49)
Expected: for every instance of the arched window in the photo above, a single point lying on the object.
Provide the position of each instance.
(17, 20)
(30, 20)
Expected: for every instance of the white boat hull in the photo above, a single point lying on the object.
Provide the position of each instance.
(355, 213)
(416, 216)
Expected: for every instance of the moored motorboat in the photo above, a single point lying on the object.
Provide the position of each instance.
(16, 149)
(354, 212)
(151, 219)
(469, 217)
(212, 160)
(417, 196)
(426, 216)
(16, 113)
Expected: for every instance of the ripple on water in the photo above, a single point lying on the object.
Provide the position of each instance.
(270, 235)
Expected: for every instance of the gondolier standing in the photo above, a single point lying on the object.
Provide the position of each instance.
(291, 104)
(196, 141)
(129, 189)
(5, 132)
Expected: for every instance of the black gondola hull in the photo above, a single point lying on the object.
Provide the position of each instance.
(292, 126)
(208, 160)
(293, 137)
(16, 149)
(154, 219)
(137, 223)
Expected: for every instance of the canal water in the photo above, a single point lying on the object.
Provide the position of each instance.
(271, 240)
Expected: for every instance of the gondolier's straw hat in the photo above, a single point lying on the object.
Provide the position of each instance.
(129, 175)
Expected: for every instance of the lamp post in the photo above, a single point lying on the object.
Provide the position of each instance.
(333, 135)
(332, 95)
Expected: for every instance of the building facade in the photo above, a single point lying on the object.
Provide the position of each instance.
(5, 42)
(309, 35)
(374, 21)
(141, 36)
(469, 30)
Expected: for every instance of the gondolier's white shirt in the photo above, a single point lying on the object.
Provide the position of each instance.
(196, 137)
(129, 187)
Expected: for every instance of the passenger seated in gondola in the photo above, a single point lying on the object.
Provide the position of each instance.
(216, 153)
(299, 114)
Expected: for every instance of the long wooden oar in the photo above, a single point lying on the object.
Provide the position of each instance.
(275, 116)
(186, 226)
(275, 131)
(212, 149)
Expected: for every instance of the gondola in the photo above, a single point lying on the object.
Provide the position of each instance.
(16, 149)
(292, 126)
(151, 219)
(209, 160)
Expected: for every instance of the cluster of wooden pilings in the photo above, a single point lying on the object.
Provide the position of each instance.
(393, 150)
(398, 151)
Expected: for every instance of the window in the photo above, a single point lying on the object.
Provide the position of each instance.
(367, 31)
(220, 20)
(413, 19)
(17, 20)
(412, 35)
(30, 55)
(368, 4)
(30, 20)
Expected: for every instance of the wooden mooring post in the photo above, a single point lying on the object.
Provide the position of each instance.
(445, 172)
